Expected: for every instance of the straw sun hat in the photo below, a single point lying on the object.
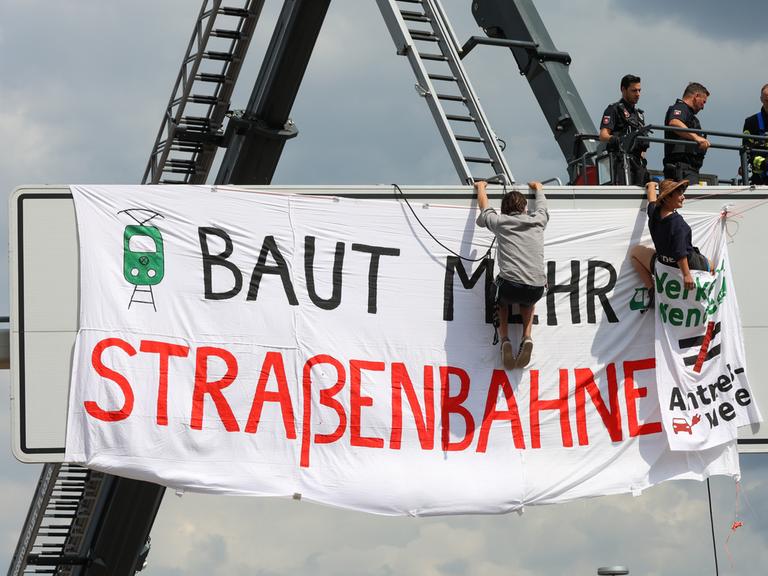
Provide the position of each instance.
(668, 186)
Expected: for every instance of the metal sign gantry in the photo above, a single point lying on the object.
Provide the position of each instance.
(83, 522)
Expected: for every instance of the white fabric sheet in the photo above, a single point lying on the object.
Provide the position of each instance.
(334, 352)
(704, 390)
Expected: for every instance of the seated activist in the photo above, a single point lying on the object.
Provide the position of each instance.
(520, 254)
(671, 235)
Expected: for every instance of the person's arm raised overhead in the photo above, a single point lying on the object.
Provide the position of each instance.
(482, 196)
(650, 191)
(541, 199)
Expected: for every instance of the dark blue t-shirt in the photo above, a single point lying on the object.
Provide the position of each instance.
(671, 235)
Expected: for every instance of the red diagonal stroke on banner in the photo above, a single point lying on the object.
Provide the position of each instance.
(704, 346)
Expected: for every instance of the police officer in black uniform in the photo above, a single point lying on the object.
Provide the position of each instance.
(757, 125)
(683, 162)
(620, 121)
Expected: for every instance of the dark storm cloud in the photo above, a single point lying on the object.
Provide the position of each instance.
(741, 20)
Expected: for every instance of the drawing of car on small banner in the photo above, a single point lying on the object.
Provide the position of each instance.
(681, 424)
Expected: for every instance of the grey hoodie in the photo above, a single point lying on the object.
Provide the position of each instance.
(520, 242)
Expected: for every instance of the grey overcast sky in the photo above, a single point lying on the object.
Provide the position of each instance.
(83, 87)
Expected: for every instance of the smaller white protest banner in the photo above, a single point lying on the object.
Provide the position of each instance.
(700, 362)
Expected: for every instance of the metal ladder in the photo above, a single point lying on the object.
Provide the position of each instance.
(190, 132)
(57, 521)
(422, 32)
(65, 506)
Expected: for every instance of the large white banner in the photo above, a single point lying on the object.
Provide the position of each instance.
(252, 343)
(701, 370)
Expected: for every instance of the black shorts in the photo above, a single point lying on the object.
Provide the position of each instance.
(696, 261)
(508, 292)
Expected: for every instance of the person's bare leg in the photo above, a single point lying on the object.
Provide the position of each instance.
(527, 313)
(641, 257)
(503, 321)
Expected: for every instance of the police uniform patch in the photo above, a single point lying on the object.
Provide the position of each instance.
(606, 119)
(676, 113)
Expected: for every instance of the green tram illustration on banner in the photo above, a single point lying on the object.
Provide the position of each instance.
(143, 256)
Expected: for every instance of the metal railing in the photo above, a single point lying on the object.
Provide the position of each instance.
(744, 150)
(595, 157)
(628, 142)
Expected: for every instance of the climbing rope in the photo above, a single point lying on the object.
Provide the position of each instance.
(397, 191)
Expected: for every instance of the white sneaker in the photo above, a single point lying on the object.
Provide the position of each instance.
(524, 356)
(507, 355)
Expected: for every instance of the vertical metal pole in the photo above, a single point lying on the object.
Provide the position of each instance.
(744, 165)
(712, 525)
(612, 164)
(625, 161)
